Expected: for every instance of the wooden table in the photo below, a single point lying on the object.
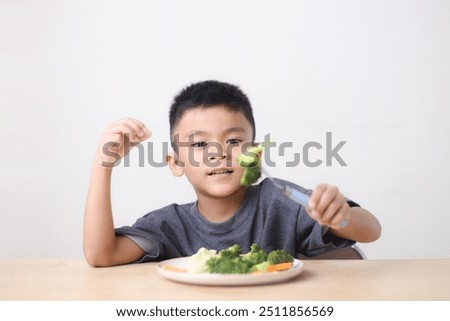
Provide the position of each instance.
(320, 280)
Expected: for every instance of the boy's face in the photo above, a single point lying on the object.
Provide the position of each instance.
(208, 141)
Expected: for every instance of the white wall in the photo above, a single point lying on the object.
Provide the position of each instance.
(374, 73)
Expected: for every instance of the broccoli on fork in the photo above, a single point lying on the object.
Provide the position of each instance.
(252, 164)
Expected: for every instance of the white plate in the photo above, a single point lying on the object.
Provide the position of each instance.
(225, 279)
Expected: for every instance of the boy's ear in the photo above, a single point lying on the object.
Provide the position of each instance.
(174, 164)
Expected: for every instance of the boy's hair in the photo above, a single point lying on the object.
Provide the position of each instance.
(208, 94)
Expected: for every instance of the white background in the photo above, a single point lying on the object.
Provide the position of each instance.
(374, 73)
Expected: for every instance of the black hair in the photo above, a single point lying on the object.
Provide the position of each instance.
(210, 93)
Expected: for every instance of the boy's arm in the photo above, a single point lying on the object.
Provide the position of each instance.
(329, 207)
(101, 246)
(362, 227)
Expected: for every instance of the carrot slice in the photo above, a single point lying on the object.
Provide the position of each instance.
(279, 267)
(174, 268)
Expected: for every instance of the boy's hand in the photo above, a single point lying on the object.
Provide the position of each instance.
(328, 206)
(117, 140)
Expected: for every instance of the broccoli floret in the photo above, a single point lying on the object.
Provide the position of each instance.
(279, 256)
(251, 157)
(227, 265)
(250, 176)
(256, 255)
(252, 164)
(232, 251)
(261, 267)
(248, 160)
(228, 261)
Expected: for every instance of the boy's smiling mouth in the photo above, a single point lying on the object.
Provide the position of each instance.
(220, 171)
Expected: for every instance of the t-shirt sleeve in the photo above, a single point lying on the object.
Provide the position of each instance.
(142, 234)
(316, 239)
(142, 239)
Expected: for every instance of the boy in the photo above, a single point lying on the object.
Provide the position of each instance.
(211, 124)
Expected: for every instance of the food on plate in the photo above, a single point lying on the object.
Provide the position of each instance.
(197, 262)
(228, 261)
(251, 161)
(174, 268)
(231, 261)
(279, 256)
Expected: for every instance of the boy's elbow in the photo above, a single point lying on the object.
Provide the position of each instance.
(97, 263)
(377, 231)
(373, 234)
(95, 260)
(368, 225)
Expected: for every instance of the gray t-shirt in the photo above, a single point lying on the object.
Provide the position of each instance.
(266, 217)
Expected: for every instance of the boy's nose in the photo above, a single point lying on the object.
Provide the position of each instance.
(217, 152)
(213, 156)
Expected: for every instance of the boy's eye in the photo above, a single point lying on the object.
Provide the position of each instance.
(234, 141)
(199, 144)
